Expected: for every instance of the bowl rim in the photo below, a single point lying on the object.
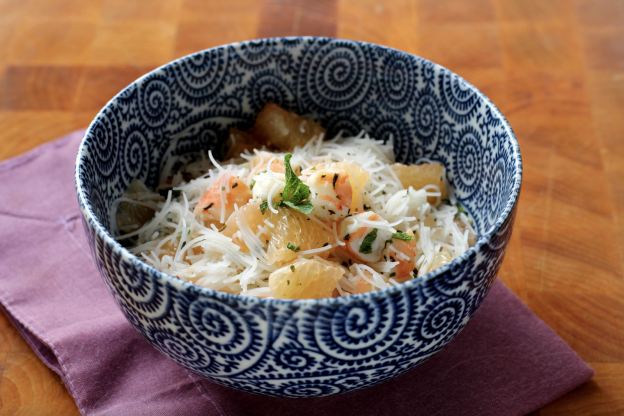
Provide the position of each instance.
(125, 255)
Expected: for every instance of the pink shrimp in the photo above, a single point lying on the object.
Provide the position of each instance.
(232, 188)
(405, 253)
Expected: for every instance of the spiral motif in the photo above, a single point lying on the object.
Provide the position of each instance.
(447, 136)
(338, 77)
(458, 98)
(393, 127)
(105, 143)
(395, 76)
(135, 157)
(428, 73)
(269, 88)
(97, 203)
(200, 76)
(256, 54)
(310, 389)
(342, 123)
(295, 359)
(443, 319)
(180, 351)
(138, 285)
(479, 277)
(155, 100)
(361, 329)
(427, 118)
(467, 167)
(219, 326)
(453, 282)
(285, 62)
(495, 192)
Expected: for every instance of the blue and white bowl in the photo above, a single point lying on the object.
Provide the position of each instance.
(302, 348)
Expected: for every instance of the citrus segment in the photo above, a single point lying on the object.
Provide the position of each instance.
(419, 176)
(305, 279)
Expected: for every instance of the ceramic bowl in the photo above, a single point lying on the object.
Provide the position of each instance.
(302, 348)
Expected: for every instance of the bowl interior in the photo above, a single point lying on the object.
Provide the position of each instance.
(190, 104)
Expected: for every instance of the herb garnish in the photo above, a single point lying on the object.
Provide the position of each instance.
(335, 178)
(292, 268)
(174, 192)
(403, 236)
(294, 194)
(367, 244)
(290, 246)
(235, 185)
(209, 206)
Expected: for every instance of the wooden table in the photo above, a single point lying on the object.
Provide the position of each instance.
(554, 67)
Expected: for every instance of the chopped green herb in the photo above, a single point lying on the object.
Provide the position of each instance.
(222, 228)
(292, 268)
(335, 179)
(264, 206)
(223, 188)
(392, 274)
(295, 192)
(322, 176)
(383, 192)
(403, 236)
(253, 183)
(331, 212)
(325, 245)
(290, 246)
(366, 207)
(460, 209)
(367, 244)
(235, 185)
(287, 282)
(174, 192)
(346, 237)
(209, 206)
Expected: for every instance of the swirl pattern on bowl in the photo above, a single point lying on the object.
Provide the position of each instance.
(316, 347)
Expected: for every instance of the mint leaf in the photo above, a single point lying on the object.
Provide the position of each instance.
(367, 244)
(403, 236)
(294, 194)
(306, 207)
(295, 191)
(290, 246)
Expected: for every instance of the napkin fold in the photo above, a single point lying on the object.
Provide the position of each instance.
(505, 362)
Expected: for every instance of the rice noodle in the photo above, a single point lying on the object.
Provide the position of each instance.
(176, 242)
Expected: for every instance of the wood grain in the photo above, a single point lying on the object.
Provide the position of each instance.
(554, 67)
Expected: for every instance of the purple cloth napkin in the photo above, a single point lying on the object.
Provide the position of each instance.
(505, 362)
